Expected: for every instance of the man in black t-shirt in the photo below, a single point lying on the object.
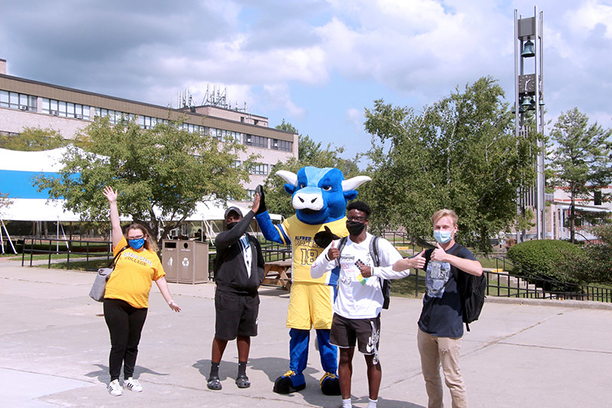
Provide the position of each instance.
(441, 320)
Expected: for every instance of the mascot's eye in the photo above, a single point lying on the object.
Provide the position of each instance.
(302, 185)
(327, 188)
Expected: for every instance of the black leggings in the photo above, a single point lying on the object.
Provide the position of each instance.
(125, 324)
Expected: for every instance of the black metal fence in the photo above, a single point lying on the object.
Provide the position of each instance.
(515, 280)
(507, 279)
(501, 282)
(68, 250)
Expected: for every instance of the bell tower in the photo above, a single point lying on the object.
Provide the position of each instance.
(529, 97)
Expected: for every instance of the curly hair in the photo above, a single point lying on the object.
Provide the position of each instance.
(359, 206)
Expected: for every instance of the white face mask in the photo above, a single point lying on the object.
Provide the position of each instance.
(443, 236)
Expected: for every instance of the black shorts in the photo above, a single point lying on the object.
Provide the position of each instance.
(236, 315)
(366, 332)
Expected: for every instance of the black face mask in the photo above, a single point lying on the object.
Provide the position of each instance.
(355, 227)
(231, 225)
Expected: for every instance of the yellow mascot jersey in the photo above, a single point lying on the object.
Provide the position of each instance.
(132, 278)
(305, 251)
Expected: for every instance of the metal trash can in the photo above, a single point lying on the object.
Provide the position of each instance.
(187, 261)
(169, 260)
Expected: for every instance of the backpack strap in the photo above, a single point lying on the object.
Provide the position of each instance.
(374, 250)
(341, 245)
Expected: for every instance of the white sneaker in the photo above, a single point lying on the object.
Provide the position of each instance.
(114, 388)
(132, 385)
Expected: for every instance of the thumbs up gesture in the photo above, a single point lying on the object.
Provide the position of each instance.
(416, 262)
(332, 252)
(438, 254)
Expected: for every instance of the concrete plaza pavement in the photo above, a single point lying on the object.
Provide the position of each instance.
(55, 348)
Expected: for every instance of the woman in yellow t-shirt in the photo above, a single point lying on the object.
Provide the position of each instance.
(126, 299)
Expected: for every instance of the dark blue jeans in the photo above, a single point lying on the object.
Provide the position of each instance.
(125, 324)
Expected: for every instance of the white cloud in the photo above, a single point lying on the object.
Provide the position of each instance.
(355, 118)
(283, 55)
(589, 16)
(279, 95)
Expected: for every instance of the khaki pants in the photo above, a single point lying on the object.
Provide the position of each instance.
(436, 351)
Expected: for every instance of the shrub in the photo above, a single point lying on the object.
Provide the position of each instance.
(549, 259)
(597, 265)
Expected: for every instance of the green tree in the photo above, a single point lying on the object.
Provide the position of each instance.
(161, 173)
(310, 153)
(33, 139)
(579, 159)
(460, 153)
(4, 200)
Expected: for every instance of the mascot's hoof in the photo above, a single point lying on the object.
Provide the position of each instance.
(330, 385)
(284, 385)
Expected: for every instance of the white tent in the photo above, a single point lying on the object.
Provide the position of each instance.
(37, 209)
(17, 168)
(43, 161)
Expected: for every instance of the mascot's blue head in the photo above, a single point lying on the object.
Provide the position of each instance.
(320, 195)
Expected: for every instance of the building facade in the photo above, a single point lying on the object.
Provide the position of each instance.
(27, 103)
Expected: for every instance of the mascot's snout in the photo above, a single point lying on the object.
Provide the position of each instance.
(303, 200)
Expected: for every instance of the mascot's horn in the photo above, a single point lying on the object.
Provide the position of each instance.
(353, 183)
(288, 176)
(347, 185)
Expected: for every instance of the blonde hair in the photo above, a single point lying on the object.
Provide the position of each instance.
(445, 213)
(149, 244)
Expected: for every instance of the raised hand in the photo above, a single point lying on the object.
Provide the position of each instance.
(256, 203)
(261, 208)
(110, 194)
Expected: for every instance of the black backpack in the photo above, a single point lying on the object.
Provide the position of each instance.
(386, 283)
(473, 296)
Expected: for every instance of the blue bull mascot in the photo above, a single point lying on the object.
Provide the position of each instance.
(319, 197)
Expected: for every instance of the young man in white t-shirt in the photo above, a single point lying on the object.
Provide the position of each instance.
(359, 297)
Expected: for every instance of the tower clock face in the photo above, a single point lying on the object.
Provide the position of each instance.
(527, 84)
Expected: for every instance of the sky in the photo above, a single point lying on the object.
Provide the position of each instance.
(317, 64)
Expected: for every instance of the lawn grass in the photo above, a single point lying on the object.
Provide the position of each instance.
(92, 265)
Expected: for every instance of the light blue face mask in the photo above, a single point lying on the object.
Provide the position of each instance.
(443, 236)
(136, 243)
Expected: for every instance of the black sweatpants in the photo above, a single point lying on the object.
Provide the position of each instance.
(125, 324)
